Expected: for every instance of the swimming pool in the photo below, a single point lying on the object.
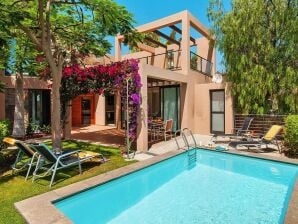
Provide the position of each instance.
(218, 188)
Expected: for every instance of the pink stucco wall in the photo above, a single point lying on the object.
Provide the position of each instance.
(29, 82)
(202, 107)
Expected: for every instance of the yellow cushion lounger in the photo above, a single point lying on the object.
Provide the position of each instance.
(85, 155)
(24, 150)
(268, 138)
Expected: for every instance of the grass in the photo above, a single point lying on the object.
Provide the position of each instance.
(14, 188)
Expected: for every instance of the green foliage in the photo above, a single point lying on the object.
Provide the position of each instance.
(194, 62)
(46, 129)
(4, 128)
(259, 42)
(291, 134)
(32, 128)
(4, 132)
(172, 36)
(76, 28)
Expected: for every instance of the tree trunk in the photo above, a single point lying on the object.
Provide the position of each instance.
(18, 124)
(56, 110)
(67, 122)
(118, 110)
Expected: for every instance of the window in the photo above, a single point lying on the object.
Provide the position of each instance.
(217, 115)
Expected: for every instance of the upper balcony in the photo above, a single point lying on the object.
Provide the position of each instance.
(171, 60)
(178, 42)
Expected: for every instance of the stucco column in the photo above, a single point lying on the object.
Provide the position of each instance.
(188, 98)
(117, 49)
(142, 131)
(100, 110)
(185, 44)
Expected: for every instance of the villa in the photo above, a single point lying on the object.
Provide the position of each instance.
(181, 91)
(176, 84)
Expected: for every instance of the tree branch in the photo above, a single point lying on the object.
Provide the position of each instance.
(41, 22)
(31, 35)
(48, 22)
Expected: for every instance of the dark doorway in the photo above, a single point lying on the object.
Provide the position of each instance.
(217, 109)
(86, 110)
(110, 109)
(39, 106)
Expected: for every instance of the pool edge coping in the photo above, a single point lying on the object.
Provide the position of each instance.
(41, 210)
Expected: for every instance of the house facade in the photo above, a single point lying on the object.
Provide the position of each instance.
(176, 71)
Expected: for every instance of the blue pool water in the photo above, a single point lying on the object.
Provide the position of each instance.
(219, 188)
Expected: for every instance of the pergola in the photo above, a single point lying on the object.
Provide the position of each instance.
(184, 18)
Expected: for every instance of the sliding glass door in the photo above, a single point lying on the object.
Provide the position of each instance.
(217, 98)
(170, 105)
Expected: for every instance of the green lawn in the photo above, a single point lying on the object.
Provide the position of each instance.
(13, 188)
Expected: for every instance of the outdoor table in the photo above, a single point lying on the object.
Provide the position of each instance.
(155, 125)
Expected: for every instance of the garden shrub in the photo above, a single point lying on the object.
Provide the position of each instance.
(291, 135)
(4, 128)
(4, 132)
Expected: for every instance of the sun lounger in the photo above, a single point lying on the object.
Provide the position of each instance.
(60, 160)
(268, 138)
(23, 150)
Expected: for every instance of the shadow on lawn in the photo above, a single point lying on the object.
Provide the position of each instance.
(88, 167)
(62, 175)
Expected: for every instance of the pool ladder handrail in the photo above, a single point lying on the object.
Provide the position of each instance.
(184, 136)
(191, 150)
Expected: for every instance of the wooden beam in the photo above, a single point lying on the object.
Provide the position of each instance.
(147, 48)
(173, 27)
(167, 37)
(156, 42)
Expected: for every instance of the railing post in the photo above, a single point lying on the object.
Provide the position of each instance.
(201, 64)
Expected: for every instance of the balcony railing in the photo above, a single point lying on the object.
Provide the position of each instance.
(170, 60)
(200, 64)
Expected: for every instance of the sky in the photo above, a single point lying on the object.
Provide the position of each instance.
(145, 11)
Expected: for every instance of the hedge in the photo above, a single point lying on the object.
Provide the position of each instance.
(291, 134)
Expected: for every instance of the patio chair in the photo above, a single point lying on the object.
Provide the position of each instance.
(167, 129)
(23, 150)
(60, 160)
(268, 138)
(239, 132)
(245, 126)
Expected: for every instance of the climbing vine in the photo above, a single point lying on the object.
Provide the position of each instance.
(104, 80)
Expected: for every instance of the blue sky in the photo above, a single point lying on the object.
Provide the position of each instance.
(145, 11)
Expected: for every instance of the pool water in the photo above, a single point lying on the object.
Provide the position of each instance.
(218, 188)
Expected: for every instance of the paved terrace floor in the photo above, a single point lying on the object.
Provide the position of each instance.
(103, 135)
(110, 136)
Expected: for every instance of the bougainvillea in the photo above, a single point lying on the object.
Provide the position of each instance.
(104, 80)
